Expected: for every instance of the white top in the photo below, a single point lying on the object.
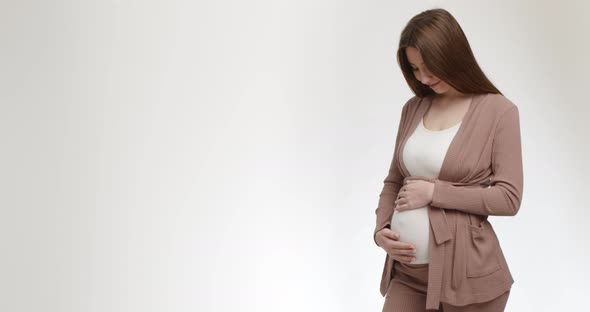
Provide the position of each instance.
(423, 155)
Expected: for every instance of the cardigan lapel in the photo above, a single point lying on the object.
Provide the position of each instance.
(438, 221)
(453, 150)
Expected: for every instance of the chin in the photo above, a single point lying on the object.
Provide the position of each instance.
(441, 90)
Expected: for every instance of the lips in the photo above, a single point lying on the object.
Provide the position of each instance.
(434, 84)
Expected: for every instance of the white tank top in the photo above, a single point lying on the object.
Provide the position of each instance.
(423, 155)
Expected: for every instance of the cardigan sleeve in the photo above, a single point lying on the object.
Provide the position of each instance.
(504, 195)
(391, 185)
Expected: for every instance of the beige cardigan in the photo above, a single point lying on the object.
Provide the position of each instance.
(481, 176)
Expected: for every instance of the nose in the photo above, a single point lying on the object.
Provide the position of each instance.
(426, 74)
(428, 79)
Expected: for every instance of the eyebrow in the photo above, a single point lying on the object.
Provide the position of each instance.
(415, 64)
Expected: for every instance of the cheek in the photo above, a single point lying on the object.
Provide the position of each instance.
(443, 85)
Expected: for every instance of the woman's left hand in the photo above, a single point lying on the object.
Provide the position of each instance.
(414, 194)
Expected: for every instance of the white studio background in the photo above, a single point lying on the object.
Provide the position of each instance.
(228, 155)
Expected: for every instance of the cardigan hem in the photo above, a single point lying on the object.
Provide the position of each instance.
(477, 297)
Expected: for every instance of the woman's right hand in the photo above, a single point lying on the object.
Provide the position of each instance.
(400, 251)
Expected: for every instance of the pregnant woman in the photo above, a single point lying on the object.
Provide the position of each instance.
(457, 160)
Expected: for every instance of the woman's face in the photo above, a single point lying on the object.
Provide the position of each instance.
(424, 75)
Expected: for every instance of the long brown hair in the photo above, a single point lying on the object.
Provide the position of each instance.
(445, 51)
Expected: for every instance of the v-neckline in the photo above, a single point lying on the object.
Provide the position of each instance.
(452, 151)
(443, 131)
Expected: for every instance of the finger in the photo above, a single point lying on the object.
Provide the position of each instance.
(402, 253)
(402, 245)
(387, 233)
(401, 207)
(405, 259)
(405, 252)
(390, 234)
(393, 235)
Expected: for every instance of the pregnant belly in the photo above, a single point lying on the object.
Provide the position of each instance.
(413, 226)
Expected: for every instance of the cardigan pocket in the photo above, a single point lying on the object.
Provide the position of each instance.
(482, 256)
